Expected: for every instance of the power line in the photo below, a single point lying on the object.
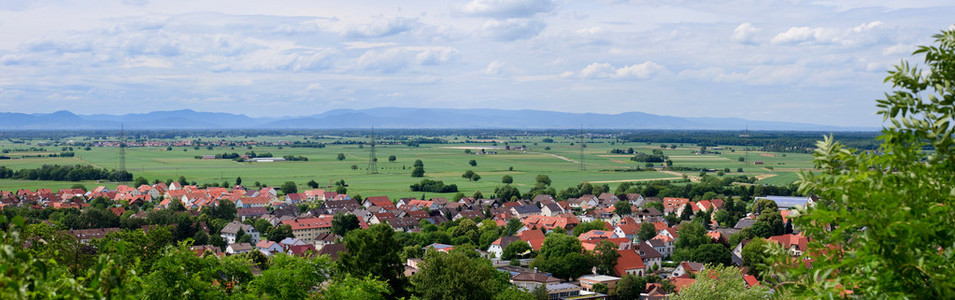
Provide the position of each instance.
(372, 160)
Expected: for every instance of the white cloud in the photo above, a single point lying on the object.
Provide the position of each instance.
(513, 29)
(435, 56)
(605, 70)
(744, 33)
(508, 8)
(823, 35)
(382, 27)
(494, 68)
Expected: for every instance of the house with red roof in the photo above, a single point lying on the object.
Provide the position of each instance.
(674, 205)
(629, 262)
(380, 201)
(794, 244)
(533, 237)
(308, 229)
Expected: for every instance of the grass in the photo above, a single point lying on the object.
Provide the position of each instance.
(441, 161)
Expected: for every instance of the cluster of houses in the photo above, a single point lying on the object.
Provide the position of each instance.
(312, 228)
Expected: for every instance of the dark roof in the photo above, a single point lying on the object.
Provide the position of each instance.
(535, 277)
(527, 209)
(745, 222)
(332, 250)
(252, 211)
(647, 251)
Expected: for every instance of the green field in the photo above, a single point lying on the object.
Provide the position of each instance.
(444, 162)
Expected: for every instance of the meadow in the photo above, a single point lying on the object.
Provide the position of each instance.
(560, 160)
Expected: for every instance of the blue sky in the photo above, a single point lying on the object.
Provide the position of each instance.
(801, 61)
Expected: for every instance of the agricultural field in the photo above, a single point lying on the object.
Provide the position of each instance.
(560, 159)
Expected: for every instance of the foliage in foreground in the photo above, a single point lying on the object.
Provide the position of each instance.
(887, 216)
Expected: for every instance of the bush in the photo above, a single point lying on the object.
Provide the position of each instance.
(433, 186)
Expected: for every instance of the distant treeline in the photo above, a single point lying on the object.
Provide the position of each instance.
(433, 186)
(65, 173)
(775, 141)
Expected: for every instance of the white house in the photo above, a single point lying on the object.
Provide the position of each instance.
(230, 230)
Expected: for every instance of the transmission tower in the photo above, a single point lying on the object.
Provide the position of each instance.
(372, 160)
(581, 143)
(122, 150)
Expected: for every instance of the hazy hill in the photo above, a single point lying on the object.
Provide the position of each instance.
(392, 117)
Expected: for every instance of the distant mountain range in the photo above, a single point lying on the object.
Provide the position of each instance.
(392, 117)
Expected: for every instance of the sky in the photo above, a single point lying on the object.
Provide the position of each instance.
(820, 62)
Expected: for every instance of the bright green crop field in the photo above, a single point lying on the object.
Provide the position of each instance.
(444, 162)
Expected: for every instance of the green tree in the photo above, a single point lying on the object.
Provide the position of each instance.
(630, 286)
(468, 175)
(289, 187)
(392, 158)
(342, 223)
(756, 257)
(647, 231)
(588, 226)
(312, 184)
(291, 277)
(454, 275)
(473, 163)
(622, 208)
(238, 181)
(374, 252)
(687, 212)
(507, 179)
(341, 156)
(352, 288)
(601, 288)
(605, 257)
(139, 181)
(712, 254)
(889, 210)
(418, 163)
(417, 172)
(690, 235)
(722, 283)
(543, 179)
(561, 255)
(515, 249)
(280, 232)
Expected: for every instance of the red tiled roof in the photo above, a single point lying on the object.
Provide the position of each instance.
(309, 223)
(628, 260)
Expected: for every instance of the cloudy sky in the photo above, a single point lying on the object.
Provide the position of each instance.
(804, 61)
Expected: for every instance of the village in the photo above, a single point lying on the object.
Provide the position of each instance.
(310, 214)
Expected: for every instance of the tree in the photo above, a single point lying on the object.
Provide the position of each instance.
(417, 172)
(562, 256)
(291, 277)
(477, 195)
(770, 223)
(349, 287)
(507, 192)
(341, 156)
(722, 283)
(889, 209)
(622, 208)
(418, 163)
(687, 212)
(280, 232)
(374, 252)
(588, 226)
(139, 181)
(289, 187)
(690, 236)
(544, 179)
(601, 288)
(238, 181)
(354, 167)
(507, 179)
(605, 257)
(712, 254)
(766, 205)
(647, 231)
(516, 249)
(454, 275)
(468, 174)
(312, 184)
(630, 286)
(476, 177)
(756, 256)
(392, 158)
(342, 223)
(473, 163)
